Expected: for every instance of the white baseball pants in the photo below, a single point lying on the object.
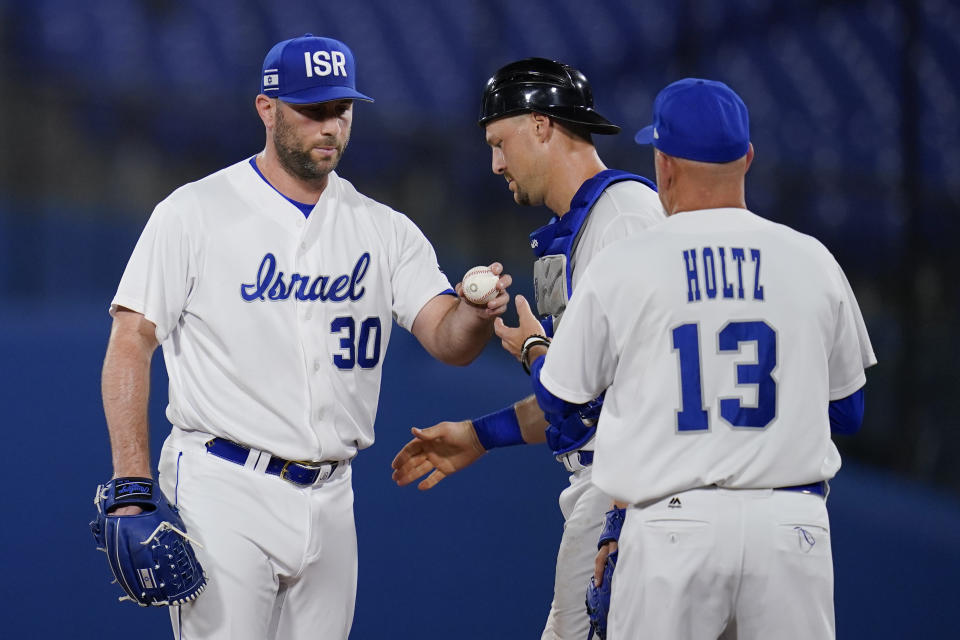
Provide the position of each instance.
(583, 506)
(281, 560)
(711, 563)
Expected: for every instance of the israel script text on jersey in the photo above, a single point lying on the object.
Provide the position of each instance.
(271, 284)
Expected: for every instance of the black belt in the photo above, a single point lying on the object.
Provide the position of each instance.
(817, 488)
(302, 474)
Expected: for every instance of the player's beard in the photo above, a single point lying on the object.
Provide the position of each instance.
(520, 195)
(294, 154)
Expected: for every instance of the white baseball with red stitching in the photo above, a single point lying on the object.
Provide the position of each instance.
(480, 285)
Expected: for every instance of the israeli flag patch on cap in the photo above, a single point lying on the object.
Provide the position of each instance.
(271, 79)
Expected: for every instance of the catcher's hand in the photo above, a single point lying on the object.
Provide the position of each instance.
(149, 553)
(598, 599)
(443, 449)
(511, 338)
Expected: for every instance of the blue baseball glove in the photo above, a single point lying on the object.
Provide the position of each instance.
(149, 553)
(598, 600)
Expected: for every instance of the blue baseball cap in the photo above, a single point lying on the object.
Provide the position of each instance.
(310, 69)
(697, 119)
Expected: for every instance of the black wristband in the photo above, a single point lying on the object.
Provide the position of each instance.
(536, 340)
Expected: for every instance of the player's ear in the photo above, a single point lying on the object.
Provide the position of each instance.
(663, 166)
(541, 126)
(749, 158)
(266, 109)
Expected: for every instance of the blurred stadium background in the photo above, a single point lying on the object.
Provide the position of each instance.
(108, 105)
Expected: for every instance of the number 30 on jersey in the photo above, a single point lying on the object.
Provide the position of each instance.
(362, 349)
(693, 415)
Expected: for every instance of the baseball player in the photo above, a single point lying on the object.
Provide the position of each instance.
(538, 116)
(729, 347)
(272, 286)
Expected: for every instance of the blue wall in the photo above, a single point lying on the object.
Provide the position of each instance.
(471, 559)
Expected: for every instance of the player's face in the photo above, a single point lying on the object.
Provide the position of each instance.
(514, 157)
(310, 139)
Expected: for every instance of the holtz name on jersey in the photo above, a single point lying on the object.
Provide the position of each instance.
(705, 272)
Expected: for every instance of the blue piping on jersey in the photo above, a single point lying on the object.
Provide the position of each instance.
(304, 207)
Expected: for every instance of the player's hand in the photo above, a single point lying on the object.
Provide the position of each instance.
(129, 510)
(601, 561)
(498, 305)
(442, 449)
(512, 337)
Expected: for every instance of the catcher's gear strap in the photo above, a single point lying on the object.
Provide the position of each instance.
(498, 429)
(612, 524)
(576, 460)
(570, 426)
(149, 553)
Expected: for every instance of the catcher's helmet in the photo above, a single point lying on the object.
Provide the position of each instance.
(545, 86)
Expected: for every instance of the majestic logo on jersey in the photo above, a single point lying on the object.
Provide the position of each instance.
(708, 276)
(675, 503)
(272, 284)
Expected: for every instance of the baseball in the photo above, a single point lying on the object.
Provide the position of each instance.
(480, 285)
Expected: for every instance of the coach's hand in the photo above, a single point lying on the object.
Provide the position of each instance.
(512, 337)
(442, 449)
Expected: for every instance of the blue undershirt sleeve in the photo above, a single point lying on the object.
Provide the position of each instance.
(846, 414)
(551, 404)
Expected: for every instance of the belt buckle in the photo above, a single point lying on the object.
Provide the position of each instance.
(310, 466)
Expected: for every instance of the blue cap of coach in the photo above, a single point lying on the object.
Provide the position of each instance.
(697, 119)
(310, 69)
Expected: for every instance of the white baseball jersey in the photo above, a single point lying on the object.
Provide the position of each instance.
(273, 326)
(720, 337)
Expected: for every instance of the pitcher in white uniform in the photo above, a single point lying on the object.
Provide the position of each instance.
(272, 286)
(729, 347)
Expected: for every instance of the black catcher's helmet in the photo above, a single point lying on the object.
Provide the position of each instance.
(545, 86)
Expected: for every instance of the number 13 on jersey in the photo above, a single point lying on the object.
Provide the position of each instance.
(693, 415)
